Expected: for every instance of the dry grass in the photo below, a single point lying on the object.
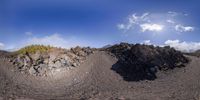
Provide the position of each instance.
(33, 49)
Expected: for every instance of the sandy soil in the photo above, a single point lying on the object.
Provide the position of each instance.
(95, 80)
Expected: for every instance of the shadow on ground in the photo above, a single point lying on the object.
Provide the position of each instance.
(133, 73)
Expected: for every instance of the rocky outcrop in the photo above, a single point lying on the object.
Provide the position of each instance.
(40, 63)
(138, 62)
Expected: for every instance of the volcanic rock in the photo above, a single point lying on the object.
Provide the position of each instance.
(138, 62)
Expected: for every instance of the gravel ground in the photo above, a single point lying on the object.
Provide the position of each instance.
(94, 80)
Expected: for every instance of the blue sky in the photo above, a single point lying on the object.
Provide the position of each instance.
(96, 23)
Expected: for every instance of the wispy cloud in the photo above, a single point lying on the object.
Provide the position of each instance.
(170, 21)
(133, 20)
(155, 22)
(181, 28)
(183, 46)
(174, 13)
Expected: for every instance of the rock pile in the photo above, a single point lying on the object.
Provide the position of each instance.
(138, 62)
(40, 63)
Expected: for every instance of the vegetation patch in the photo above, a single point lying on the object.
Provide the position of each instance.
(33, 49)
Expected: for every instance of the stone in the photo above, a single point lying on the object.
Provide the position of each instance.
(32, 71)
(74, 64)
(58, 64)
(42, 69)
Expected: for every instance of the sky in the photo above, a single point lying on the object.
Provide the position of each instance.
(95, 23)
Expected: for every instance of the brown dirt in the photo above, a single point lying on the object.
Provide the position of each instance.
(95, 80)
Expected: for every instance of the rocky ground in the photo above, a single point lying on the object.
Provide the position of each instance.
(100, 75)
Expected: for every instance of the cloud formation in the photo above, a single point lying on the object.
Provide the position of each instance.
(151, 27)
(155, 22)
(181, 28)
(133, 20)
(183, 46)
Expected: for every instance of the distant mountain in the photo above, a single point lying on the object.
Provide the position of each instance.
(107, 46)
(3, 53)
(196, 53)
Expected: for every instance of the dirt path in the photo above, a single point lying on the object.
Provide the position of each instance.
(94, 79)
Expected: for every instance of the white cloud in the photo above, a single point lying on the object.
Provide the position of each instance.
(147, 42)
(28, 33)
(170, 21)
(181, 28)
(1, 46)
(183, 46)
(151, 27)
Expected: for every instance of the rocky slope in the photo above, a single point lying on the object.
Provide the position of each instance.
(43, 63)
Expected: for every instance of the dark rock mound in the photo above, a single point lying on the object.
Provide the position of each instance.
(138, 62)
